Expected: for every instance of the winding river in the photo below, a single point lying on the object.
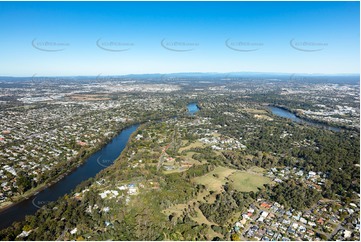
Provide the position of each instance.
(97, 162)
(93, 165)
(281, 112)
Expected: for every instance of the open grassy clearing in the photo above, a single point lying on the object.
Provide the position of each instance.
(255, 111)
(215, 179)
(189, 154)
(191, 146)
(211, 234)
(178, 170)
(247, 182)
(177, 209)
(243, 181)
(188, 158)
(184, 142)
(200, 218)
(262, 116)
(256, 169)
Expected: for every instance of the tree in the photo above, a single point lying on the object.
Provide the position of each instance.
(24, 183)
(235, 237)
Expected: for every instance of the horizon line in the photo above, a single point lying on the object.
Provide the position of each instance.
(178, 73)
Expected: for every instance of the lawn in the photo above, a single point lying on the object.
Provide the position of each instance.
(200, 218)
(215, 179)
(255, 111)
(257, 169)
(188, 158)
(192, 145)
(262, 116)
(247, 181)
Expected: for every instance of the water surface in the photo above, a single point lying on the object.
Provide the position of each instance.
(281, 112)
(192, 108)
(93, 165)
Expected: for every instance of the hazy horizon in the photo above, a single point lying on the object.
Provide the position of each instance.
(192, 73)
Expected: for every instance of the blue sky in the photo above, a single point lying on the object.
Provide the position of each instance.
(115, 38)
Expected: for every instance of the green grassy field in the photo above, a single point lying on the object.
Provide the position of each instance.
(196, 144)
(256, 169)
(215, 179)
(247, 182)
(243, 181)
(255, 111)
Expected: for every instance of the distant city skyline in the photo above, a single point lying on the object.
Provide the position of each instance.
(120, 38)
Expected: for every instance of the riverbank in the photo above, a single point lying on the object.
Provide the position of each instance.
(80, 159)
(82, 171)
(296, 117)
(86, 166)
(109, 153)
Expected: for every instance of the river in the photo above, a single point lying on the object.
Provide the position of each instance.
(93, 165)
(281, 112)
